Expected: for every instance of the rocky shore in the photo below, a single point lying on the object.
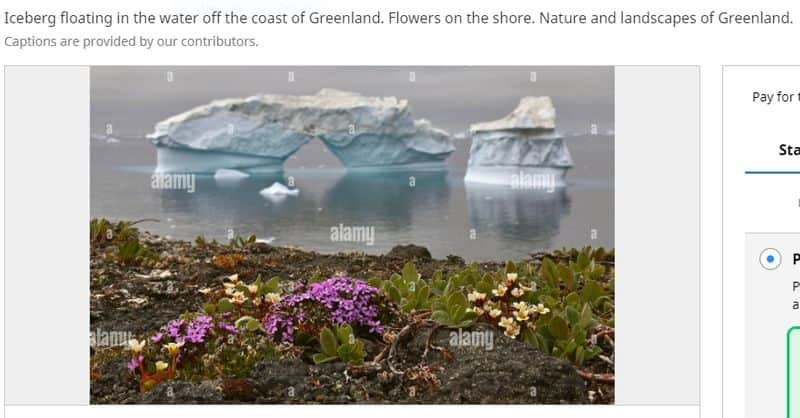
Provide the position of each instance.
(140, 282)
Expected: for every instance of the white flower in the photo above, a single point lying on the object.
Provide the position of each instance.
(512, 331)
(136, 346)
(506, 322)
(517, 293)
(520, 306)
(253, 288)
(205, 291)
(234, 278)
(475, 296)
(494, 313)
(173, 348)
(521, 315)
(238, 298)
(161, 365)
(229, 285)
(511, 277)
(500, 291)
(272, 298)
(540, 309)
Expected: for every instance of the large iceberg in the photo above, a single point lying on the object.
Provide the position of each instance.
(259, 133)
(521, 150)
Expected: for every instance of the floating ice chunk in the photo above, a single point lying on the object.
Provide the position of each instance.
(278, 189)
(265, 130)
(229, 174)
(522, 150)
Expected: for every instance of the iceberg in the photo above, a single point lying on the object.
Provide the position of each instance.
(229, 174)
(522, 150)
(258, 133)
(278, 190)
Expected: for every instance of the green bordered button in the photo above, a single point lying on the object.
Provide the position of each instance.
(793, 372)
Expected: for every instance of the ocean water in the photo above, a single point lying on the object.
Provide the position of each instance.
(438, 211)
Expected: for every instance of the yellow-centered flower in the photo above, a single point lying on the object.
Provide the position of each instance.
(272, 298)
(521, 315)
(512, 331)
(238, 298)
(136, 346)
(500, 291)
(494, 313)
(517, 292)
(506, 322)
(540, 309)
(173, 348)
(511, 278)
(475, 296)
(161, 365)
(253, 288)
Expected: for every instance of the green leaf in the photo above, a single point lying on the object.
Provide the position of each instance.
(510, 267)
(393, 294)
(320, 358)
(592, 291)
(587, 319)
(558, 328)
(343, 333)
(422, 297)
(567, 277)
(327, 342)
(242, 322)
(410, 272)
(225, 305)
(210, 308)
(272, 285)
(253, 325)
(441, 317)
(579, 356)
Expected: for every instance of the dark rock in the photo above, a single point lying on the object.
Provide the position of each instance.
(280, 381)
(241, 390)
(115, 383)
(409, 252)
(510, 372)
(177, 392)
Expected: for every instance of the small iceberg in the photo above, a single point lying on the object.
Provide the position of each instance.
(522, 150)
(230, 174)
(278, 190)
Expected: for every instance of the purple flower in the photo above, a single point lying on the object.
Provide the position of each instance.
(155, 339)
(174, 328)
(197, 329)
(135, 363)
(339, 300)
(229, 328)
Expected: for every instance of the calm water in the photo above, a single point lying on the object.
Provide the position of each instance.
(440, 212)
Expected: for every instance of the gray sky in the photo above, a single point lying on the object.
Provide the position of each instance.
(133, 99)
